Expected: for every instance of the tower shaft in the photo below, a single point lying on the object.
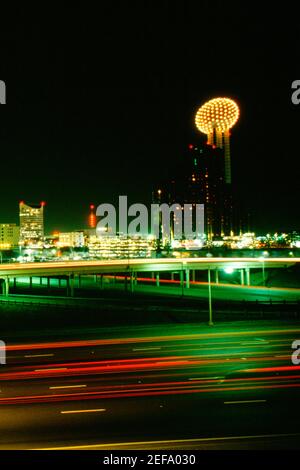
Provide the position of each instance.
(227, 157)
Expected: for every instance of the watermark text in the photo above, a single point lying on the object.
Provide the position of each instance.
(2, 92)
(176, 220)
(296, 93)
(296, 353)
(2, 352)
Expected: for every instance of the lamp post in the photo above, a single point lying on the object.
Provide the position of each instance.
(262, 259)
(182, 279)
(263, 271)
(210, 322)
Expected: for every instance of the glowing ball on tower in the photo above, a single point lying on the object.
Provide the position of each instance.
(219, 114)
(215, 118)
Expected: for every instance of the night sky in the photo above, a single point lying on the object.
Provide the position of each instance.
(101, 102)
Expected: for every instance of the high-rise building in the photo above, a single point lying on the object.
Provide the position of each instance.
(207, 185)
(9, 236)
(201, 180)
(31, 222)
(205, 176)
(215, 118)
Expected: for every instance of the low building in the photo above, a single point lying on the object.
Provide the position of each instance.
(71, 239)
(9, 236)
(120, 247)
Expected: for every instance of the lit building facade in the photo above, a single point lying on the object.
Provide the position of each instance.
(71, 239)
(120, 246)
(31, 222)
(9, 236)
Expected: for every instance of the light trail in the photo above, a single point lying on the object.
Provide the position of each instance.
(96, 410)
(169, 442)
(151, 280)
(146, 349)
(124, 365)
(162, 388)
(206, 378)
(242, 402)
(154, 339)
(38, 355)
(141, 264)
(57, 387)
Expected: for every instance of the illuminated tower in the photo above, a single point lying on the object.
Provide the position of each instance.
(215, 118)
(31, 222)
(92, 217)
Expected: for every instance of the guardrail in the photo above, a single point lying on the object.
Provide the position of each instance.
(72, 302)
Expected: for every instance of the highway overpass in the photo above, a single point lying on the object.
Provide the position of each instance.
(130, 267)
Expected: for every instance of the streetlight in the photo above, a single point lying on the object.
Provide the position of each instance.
(210, 322)
(182, 277)
(263, 271)
(228, 270)
(262, 258)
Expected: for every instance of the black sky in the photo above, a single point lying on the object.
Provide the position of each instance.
(101, 102)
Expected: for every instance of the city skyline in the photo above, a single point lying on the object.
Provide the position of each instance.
(73, 131)
(149, 230)
(82, 219)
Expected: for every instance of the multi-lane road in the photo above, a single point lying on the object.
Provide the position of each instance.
(141, 265)
(88, 289)
(233, 387)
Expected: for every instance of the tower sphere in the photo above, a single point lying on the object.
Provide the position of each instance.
(219, 114)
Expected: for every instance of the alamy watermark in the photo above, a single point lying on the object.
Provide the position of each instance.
(178, 220)
(2, 352)
(296, 93)
(2, 92)
(296, 353)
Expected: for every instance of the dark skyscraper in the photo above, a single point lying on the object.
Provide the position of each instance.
(201, 180)
(206, 185)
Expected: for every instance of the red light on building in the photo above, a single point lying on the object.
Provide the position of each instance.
(43, 204)
(191, 146)
(21, 203)
(92, 217)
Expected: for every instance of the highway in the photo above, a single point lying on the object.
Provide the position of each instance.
(140, 265)
(233, 387)
(220, 291)
(88, 290)
(224, 292)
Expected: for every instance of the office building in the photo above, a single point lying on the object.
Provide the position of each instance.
(201, 180)
(71, 239)
(9, 236)
(120, 246)
(31, 222)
